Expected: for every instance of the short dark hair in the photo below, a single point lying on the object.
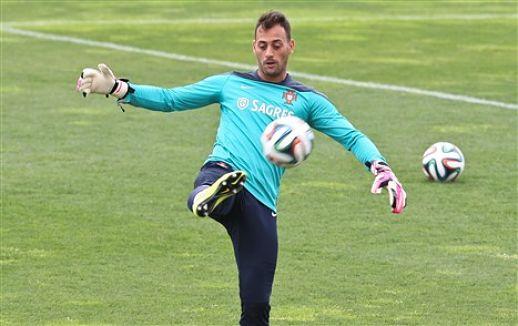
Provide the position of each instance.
(272, 18)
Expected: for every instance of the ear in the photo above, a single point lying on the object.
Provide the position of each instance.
(253, 46)
(292, 46)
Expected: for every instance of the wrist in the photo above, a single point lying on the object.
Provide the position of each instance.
(378, 166)
(119, 89)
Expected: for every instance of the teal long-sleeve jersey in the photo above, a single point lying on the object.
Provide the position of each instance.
(247, 105)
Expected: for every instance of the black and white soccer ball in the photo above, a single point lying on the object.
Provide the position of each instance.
(287, 141)
(443, 162)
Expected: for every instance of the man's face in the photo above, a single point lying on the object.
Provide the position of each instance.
(272, 49)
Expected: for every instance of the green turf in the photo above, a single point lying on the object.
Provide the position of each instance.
(94, 228)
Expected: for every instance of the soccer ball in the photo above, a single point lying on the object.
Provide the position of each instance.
(287, 141)
(443, 162)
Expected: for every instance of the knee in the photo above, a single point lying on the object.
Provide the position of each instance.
(255, 314)
(255, 284)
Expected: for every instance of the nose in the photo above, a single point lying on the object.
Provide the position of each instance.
(268, 52)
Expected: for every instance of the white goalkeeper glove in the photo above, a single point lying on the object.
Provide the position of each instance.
(101, 81)
(385, 178)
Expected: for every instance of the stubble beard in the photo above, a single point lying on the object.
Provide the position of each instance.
(278, 71)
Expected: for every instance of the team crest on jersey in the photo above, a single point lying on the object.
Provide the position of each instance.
(242, 103)
(289, 96)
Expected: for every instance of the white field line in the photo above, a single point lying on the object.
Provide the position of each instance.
(223, 20)
(236, 65)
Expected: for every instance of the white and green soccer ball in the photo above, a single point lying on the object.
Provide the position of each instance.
(443, 162)
(287, 141)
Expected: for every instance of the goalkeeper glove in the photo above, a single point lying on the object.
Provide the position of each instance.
(385, 178)
(101, 81)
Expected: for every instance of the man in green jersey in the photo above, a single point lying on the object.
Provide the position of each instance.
(237, 186)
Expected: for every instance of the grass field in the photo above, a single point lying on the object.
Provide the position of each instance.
(94, 228)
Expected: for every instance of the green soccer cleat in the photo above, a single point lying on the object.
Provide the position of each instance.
(226, 186)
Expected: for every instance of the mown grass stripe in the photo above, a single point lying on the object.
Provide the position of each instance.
(216, 21)
(236, 65)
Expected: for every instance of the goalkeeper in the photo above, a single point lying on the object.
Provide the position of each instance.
(236, 185)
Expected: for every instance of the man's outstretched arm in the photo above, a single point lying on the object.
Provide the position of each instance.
(103, 81)
(326, 118)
